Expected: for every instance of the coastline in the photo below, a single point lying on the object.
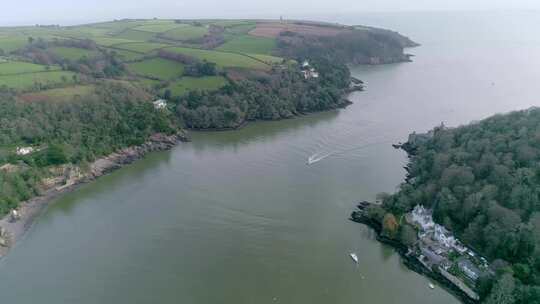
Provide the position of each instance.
(409, 260)
(29, 210)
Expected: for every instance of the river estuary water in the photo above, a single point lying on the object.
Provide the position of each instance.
(239, 217)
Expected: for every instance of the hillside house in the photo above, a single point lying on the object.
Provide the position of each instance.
(21, 151)
(160, 104)
(308, 71)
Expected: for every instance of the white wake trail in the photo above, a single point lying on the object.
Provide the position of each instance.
(317, 157)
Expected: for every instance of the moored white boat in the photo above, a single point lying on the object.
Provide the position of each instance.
(354, 257)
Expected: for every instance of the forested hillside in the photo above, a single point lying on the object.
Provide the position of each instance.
(483, 182)
(281, 93)
(111, 117)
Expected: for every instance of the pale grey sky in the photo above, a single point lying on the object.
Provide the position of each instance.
(76, 11)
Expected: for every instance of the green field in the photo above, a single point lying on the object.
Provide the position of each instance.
(148, 83)
(135, 35)
(186, 84)
(141, 47)
(250, 44)
(10, 44)
(59, 95)
(132, 40)
(222, 59)
(109, 41)
(19, 67)
(232, 23)
(26, 81)
(116, 27)
(267, 58)
(186, 32)
(157, 68)
(74, 54)
(158, 28)
(126, 55)
(92, 31)
(241, 28)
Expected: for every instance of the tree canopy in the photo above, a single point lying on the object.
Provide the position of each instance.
(483, 182)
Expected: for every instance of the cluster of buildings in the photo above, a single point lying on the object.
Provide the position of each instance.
(309, 71)
(438, 249)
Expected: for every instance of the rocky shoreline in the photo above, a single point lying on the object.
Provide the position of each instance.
(409, 260)
(72, 176)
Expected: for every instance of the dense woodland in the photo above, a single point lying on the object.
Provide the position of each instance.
(115, 116)
(282, 93)
(483, 182)
(373, 46)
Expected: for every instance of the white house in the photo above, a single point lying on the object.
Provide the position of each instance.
(24, 150)
(160, 104)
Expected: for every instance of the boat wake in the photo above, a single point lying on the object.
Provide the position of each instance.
(317, 157)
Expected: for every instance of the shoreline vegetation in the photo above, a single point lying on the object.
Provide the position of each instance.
(14, 228)
(468, 212)
(75, 98)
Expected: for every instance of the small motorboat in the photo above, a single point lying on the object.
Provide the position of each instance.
(431, 286)
(354, 257)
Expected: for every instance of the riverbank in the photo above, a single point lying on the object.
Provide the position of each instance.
(73, 177)
(407, 256)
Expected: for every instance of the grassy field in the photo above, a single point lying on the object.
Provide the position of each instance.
(186, 84)
(159, 27)
(140, 47)
(147, 83)
(132, 40)
(92, 31)
(157, 68)
(185, 32)
(250, 44)
(267, 58)
(115, 27)
(74, 54)
(126, 55)
(110, 41)
(222, 59)
(241, 28)
(26, 81)
(19, 67)
(58, 95)
(135, 35)
(10, 44)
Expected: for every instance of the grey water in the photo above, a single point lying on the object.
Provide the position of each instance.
(239, 217)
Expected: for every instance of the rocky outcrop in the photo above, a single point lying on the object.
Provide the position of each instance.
(157, 142)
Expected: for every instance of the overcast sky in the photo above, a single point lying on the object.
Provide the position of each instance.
(17, 12)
